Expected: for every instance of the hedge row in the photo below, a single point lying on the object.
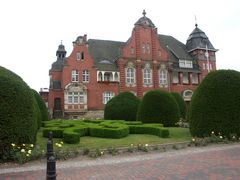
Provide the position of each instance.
(147, 129)
(72, 131)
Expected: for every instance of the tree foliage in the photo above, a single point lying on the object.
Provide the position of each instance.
(158, 106)
(122, 107)
(18, 115)
(215, 105)
(181, 104)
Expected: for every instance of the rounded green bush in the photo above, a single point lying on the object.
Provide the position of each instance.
(158, 106)
(18, 113)
(42, 106)
(71, 137)
(181, 104)
(122, 107)
(215, 105)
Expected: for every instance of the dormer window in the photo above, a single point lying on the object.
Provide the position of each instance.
(185, 64)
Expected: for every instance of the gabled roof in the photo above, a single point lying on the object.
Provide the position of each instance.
(105, 53)
(176, 49)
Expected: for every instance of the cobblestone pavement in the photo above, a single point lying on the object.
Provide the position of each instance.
(218, 162)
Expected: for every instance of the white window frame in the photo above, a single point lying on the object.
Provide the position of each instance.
(79, 56)
(185, 64)
(86, 76)
(107, 95)
(74, 76)
(194, 78)
(163, 77)
(147, 76)
(130, 75)
(76, 97)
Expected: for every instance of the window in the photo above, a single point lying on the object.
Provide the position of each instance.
(74, 75)
(147, 76)
(175, 77)
(75, 97)
(194, 78)
(107, 96)
(108, 76)
(78, 56)
(132, 50)
(185, 78)
(143, 48)
(185, 64)
(163, 76)
(85, 76)
(210, 66)
(148, 48)
(159, 53)
(204, 66)
(82, 56)
(130, 76)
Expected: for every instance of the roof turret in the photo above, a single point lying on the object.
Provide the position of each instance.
(144, 21)
(198, 40)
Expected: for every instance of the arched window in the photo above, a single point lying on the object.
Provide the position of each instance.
(130, 75)
(86, 76)
(147, 75)
(100, 77)
(163, 77)
(74, 75)
(116, 78)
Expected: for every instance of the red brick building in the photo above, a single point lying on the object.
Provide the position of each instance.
(97, 70)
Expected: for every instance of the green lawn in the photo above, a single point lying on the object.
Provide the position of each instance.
(176, 135)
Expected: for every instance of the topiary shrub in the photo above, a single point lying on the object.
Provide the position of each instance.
(158, 106)
(215, 105)
(181, 104)
(42, 106)
(123, 106)
(71, 137)
(18, 115)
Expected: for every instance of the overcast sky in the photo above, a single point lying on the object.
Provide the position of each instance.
(31, 30)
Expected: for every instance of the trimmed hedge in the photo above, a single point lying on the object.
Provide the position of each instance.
(123, 106)
(71, 137)
(71, 131)
(158, 106)
(181, 104)
(215, 105)
(149, 129)
(18, 114)
(106, 132)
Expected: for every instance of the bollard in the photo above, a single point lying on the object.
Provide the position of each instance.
(51, 162)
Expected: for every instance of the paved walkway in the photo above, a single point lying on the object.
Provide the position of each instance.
(218, 162)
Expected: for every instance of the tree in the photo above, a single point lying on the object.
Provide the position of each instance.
(181, 104)
(158, 106)
(18, 116)
(215, 105)
(122, 107)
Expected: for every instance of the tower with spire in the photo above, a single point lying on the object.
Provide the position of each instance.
(202, 50)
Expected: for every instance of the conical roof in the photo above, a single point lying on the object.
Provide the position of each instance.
(198, 40)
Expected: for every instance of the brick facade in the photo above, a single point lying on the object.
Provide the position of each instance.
(97, 70)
